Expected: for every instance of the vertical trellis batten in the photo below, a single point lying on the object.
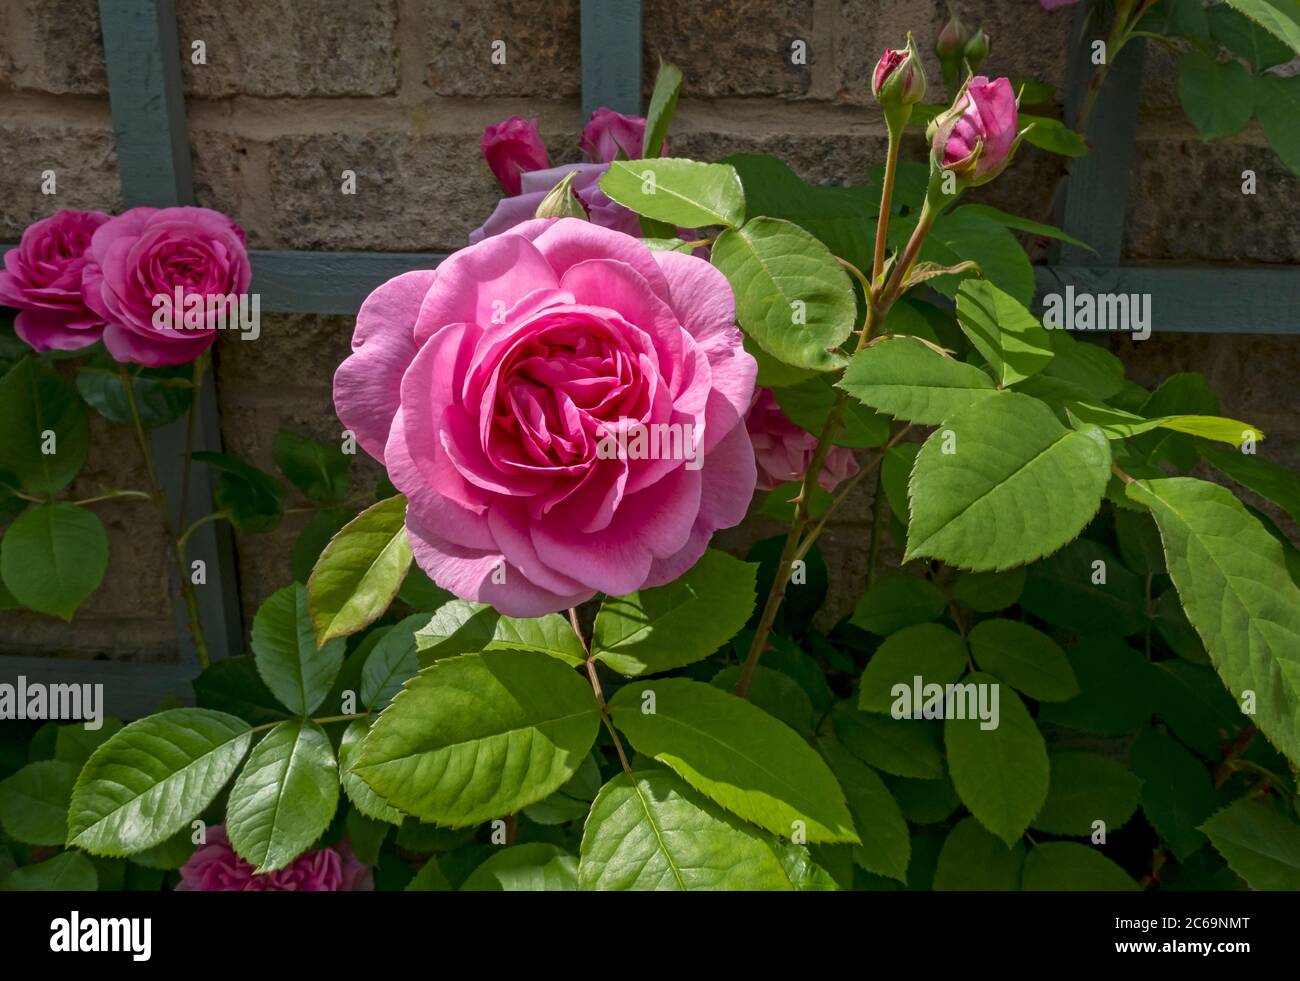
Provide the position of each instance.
(611, 56)
(141, 50)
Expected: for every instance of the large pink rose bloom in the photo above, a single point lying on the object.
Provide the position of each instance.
(149, 252)
(214, 867)
(783, 450)
(488, 388)
(42, 278)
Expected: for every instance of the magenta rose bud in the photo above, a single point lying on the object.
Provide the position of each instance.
(977, 137)
(140, 262)
(214, 867)
(608, 133)
(898, 82)
(562, 408)
(783, 451)
(514, 147)
(42, 278)
(535, 186)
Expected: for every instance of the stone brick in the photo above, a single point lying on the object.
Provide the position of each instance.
(731, 47)
(306, 48)
(832, 156)
(1185, 202)
(1028, 42)
(542, 48)
(56, 47)
(84, 161)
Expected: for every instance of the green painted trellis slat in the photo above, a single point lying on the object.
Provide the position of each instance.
(142, 54)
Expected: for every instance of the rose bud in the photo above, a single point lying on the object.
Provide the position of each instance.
(977, 49)
(609, 134)
(951, 42)
(899, 78)
(977, 137)
(561, 202)
(511, 148)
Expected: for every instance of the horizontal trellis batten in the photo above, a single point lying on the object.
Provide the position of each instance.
(142, 54)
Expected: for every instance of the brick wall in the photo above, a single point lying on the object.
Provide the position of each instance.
(293, 93)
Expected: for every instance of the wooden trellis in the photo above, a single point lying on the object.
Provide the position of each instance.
(142, 51)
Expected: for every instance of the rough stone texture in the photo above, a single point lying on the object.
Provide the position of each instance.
(307, 48)
(56, 47)
(1186, 202)
(543, 57)
(1028, 42)
(758, 58)
(83, 159)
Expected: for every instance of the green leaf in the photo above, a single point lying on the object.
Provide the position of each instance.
(1017, 485)
(315, 535)
(1026, 225)
(1067, 589)
(429, 879)
(1218, 97)
(736, 754)
(162, 395)
(251, 499)
(1087, 787)
(777, 694)
(974, 860)
(1011, 338)
(924, 801)
(1001, 774)
(909, 380)
(895, 602)
(75, 743)
(1280, 44)
(44, 435)
(1177, 795)
(357, 790)
(34, 802)
(669, 626)
(360, 571)
(233, 685)
(534, 867)
(791, 295)
(663, 103)
(462, 627)
(1066, 866)
(479, 736)
(652, 830)
(572, 801)
(1277, 106)
(684, 193)
(1266, 478)
(895, 473)
(1117, 424)
(152, 778)
(927, 650)
(392, 661)
(1078, 371)
(1024, 658)
(809, 405)
(988, 592)
(1235, 587)
(284, 648)
(886, 847)
(1197, 708)
(319, 470)
(66, 872)
(285, 797)
(903, 747)
(1261, 845)
(53, 556)
(1118, 688)
(1052, 135)
(959, 234)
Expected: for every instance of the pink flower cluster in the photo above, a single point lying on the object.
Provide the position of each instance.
(79, 277)
(214, 867)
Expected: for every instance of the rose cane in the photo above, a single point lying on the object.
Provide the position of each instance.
(950, 46)
(898, 83)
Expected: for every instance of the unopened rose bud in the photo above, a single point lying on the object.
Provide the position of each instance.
(561, 202)
(951, 43)
(513, 147)
(899, 78)
(977, 137)
(977, 49)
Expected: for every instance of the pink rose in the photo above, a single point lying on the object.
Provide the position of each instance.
(507, 392)
(513, 147)
(214, 867)
(609, 132)
(42, 278)
(783, 450)
(137, 262)
(601, 209)
(975, 138)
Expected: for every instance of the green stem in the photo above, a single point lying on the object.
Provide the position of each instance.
(596, 689)
(323, 720)
(886, 202)
(114, 496)
(185, 535)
